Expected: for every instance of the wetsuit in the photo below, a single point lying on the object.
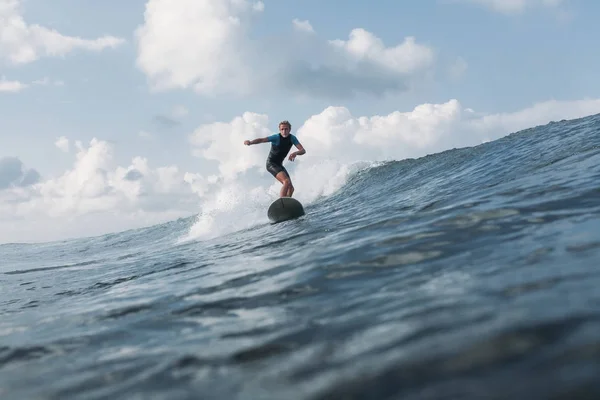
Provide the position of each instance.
(280, 147)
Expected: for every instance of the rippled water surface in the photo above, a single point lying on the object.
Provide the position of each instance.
(472, 273)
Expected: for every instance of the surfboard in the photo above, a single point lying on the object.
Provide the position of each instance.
(285, 208)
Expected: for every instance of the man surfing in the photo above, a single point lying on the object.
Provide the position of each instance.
(281, 143)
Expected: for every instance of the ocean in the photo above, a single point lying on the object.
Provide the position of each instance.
(473, 273)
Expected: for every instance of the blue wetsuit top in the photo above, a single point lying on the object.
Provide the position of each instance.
(280, 147)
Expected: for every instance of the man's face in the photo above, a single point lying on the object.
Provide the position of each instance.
(284, 130)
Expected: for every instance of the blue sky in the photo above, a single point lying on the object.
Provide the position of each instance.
(136, 93)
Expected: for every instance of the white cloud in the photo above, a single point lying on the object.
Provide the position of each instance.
(95, 196)
(302, 26)
(540, 113)
(363, 64)
(62, 143)
(194, 43)
(515, 6)
(95, 185)
(205, 46)
(223, 142)
(427, 129)
(405, 58)
(11, 86)
(336, 133)
(22, 43)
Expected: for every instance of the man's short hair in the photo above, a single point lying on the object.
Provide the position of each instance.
(286, 122)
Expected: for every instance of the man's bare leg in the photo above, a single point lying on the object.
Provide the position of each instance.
(287, 189)
(290, 190)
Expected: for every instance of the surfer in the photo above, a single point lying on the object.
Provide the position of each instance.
(281, 143)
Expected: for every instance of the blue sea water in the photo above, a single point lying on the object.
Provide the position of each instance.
(468, 274)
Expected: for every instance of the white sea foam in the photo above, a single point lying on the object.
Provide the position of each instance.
(235, 205)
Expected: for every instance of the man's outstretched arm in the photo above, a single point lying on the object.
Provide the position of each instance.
(256, 141)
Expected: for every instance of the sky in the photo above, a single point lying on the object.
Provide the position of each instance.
(118, 115)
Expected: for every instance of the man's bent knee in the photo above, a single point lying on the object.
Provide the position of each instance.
(285, 179)
(282, 177)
